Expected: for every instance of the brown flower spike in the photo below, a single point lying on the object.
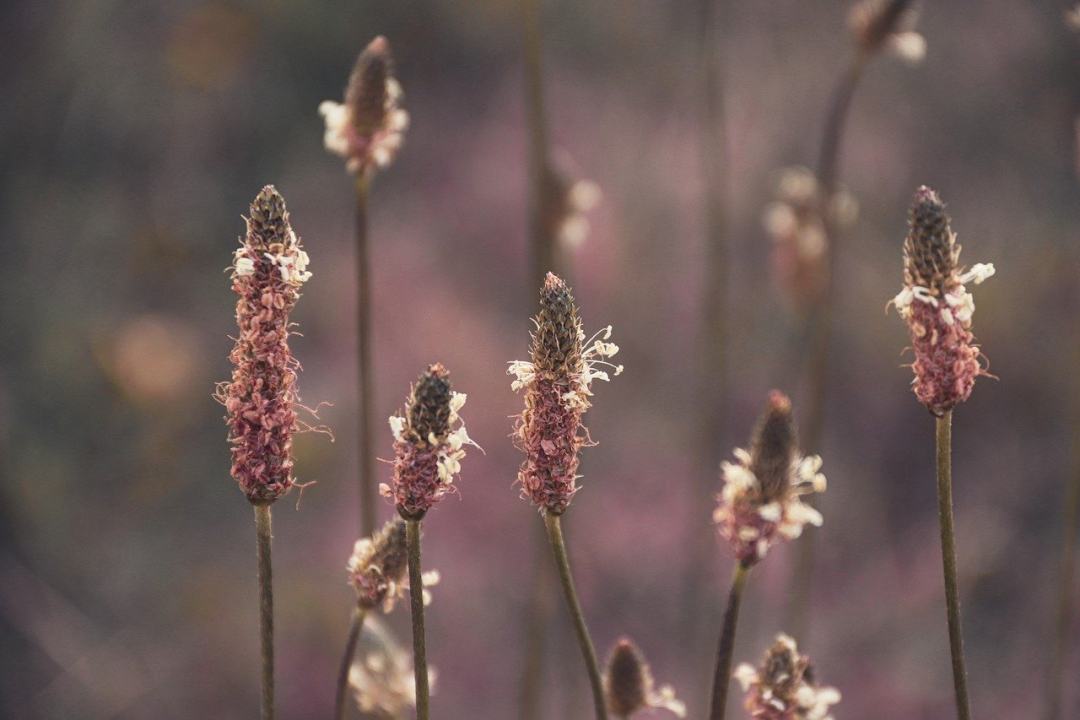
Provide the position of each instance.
(557, 386)
(429, 444)
(938, 308)
(783, 687)
(368, 128)
(760, 503)
(378, 566)
(268, 271)
(629, 685)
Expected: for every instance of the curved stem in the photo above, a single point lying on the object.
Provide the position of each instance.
(364, 379)
(726, 647)
(948, 559)
(592, 665)
(416, 601)
(266, 607)
(355, 626)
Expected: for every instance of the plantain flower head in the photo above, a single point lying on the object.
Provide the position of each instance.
(937, 307)
(368, 128)
(378, 569)
(629, 685)
(557, 384)
(760, 503)
(887, 25)
(429, 444)
(269, 269)
(783, 687)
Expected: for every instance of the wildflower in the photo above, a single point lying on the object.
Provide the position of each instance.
(378, 569)
(760, 503)
(382, 676)
(938, 308)
(628, 684)
(795, 224)
(557, 384)
(269, 268)
(429, 444)
(887, 25)
(783, 688)
(368, 129)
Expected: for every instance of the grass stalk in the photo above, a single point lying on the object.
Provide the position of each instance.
(416, 601)
(263, 535)
(948, 559)
(365, 384)
(588, 651)
(356, 625)
(726, 648)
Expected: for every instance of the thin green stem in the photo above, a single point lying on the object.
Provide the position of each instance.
(263, 535)
(356, 625)
(726, 648)
(365, 384)
(948, 559)
(416, 601)
(562, 562)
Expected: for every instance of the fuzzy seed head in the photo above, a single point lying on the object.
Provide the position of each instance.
(429, 406)
(773, 447)
(556, 347)
(378, 566)
(931, 254)
(366, 93)
(629, 685)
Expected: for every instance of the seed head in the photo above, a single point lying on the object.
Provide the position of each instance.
(557, 384)
(368, 128)
(269, 268)
(938, 308)
(760, 503)
(629, 685)
(378, 566)
(429, 444)
(783, 686)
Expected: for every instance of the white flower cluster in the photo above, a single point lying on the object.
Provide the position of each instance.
(809, 702)
(594, 358)
(958, 306)
(292, 264)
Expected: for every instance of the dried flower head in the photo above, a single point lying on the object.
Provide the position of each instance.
(760, 503)
(887, 25)
(381, 677)
(268, 270)
(783, 688)
(557, 384)
(938, 308)
(368, 129)
(629, 686)
(378, 568)
(795, 224)
(429, 444)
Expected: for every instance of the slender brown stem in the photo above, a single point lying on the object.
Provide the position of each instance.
(355, 627)
(726, 648)
(263, 536)
(562, 562)
(416, 601)
(536, 623)
(820, 323)
(365, 385)
(1065, 605)
(948, 559)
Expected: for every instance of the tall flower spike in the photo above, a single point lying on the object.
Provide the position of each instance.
(760, 503)
(783, 688)
(629, 685)
(269, 268)
(429, 444)
(938, 308)
(557, 384)
(887, 25)
(368, 129)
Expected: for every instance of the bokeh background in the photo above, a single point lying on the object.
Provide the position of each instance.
(134, 136)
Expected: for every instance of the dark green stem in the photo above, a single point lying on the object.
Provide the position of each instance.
(263, 536)
(365, 385)
(726, 648)
(562, 562)
(355, 627)
(416, 601)
(948, 559)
